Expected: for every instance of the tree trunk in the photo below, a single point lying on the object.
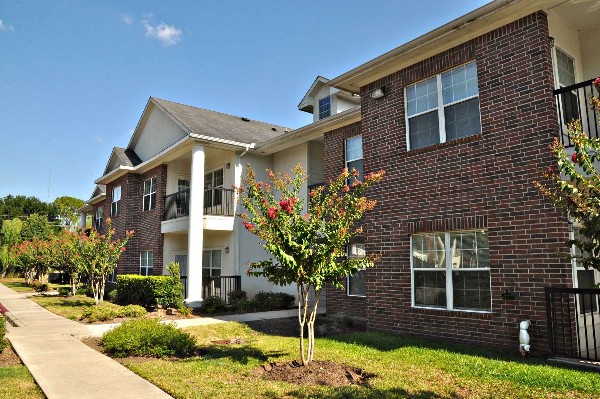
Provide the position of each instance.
(307, 317)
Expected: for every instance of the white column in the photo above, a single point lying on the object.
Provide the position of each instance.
(196, 230)
(82, 217)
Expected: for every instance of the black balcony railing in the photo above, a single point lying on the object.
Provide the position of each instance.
(220, 286)
(217, 201)
(573, 102)
(573, 322)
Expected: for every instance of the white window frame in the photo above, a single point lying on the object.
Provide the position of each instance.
(151, 204)
(363, 269)
(115, 204)
(146, 266)
(439, 109)
(214, 189)
(347, 160)
(319, 106)
(448, 269)
(112, 278)
(221, 250)
(98, 218)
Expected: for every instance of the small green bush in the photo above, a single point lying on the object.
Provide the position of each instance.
(111, 296)
(39, 287)
(213, 304)
(132, 311)
(3, 341)
(147, 337)
(85, 290)
(64, 291)
(185, 311)
(272, 300)
(237, 295)
(99, 313)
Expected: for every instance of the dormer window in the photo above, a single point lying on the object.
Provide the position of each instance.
(324, 107)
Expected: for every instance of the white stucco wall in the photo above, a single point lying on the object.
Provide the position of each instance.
(178, 169)
(158, 131)
(566, 39)
(590, 53)
(173, 242)
(315, 156)
(343, 104)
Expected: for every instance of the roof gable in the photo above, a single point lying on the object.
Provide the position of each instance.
(307, 103)
(121, 157)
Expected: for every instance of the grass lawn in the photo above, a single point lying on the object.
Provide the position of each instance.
(16, 383)
(18, 284)
(403, 368)
(69, 307)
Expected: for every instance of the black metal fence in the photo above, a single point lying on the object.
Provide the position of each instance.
(220, 286)
(573, 322)
(573, 102)
(217, 201)
(183, 280)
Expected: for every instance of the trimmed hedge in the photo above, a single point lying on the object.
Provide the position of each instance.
(3, 342)
(133, 289)
(148, 337)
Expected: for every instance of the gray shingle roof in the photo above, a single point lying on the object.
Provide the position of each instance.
(222, 126)
(127, 157)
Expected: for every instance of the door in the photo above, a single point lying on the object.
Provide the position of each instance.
(182, 258)
(211, 271)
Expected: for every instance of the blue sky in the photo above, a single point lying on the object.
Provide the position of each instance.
(75, 75)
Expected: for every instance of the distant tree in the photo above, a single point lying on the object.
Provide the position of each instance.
(10, 234)
(25, 254)
(21, 206)
(97, 256)
(66, 261)
(36, 226)
(7, 260)
(67, 210)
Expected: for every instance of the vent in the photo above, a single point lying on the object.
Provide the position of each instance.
(245, 119)
(273, 129)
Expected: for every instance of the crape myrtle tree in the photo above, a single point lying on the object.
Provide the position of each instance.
(97, 256)
(308, 249)
(575, 186)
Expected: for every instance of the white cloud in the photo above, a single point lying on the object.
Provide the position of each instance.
(6, 27)
(167, 35)
(127, 19)
(99, 139)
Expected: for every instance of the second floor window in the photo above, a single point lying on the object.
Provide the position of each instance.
(324, 107)
(150, 194)
(213, 188)
(443, 108)
(146, 263)
(115, 205)
(99, 217)
(354, 156)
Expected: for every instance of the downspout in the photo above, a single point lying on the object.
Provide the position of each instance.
(238, 183)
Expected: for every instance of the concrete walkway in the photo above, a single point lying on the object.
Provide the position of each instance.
(62, 365)
(65, 368)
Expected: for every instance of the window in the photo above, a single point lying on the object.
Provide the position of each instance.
(146, 263)
(324, 107)
(150, 194)
(213, 188)
(211, 262)
(112, 278)
(354, 155)
(584, 278)
(443, 108)
(99, 216)
(451, 270)
(116, 201)
(565, 71)
(182, 199)
(356, 282)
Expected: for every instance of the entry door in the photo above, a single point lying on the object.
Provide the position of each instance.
(182, 258)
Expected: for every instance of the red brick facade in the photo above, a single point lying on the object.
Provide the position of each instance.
(146, 224)
(482, 181)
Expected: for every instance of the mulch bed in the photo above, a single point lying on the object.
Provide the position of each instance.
(316, 373)
(325, 326)
(8, 358)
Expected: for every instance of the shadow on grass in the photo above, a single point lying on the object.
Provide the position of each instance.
(239, 354)
(73, 303)
(364, 393)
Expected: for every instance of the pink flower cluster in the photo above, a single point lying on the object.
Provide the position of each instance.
(272, 212)
(288, 205)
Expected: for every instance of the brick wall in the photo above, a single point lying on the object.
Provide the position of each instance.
(146, 224)
(484, 180)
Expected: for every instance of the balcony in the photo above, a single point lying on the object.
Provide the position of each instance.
(573, 102)
(217, 202)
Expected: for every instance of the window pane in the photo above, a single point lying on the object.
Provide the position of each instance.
(462, 119)
(587, 303)
(566, 69)
(205, 259)
(424, 130)
(356, 283)
(429, 251)
(216, 260)
(218, 178)
(358, 165)
(354, 149)
(471, 290)
(430, 288)
(459, 83)
(324, 107)
(421, 96)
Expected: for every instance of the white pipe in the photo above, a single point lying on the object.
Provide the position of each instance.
(237, 233)
(524, 337)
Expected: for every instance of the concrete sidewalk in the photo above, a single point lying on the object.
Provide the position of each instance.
(62, 365)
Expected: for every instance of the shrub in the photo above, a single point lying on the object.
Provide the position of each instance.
(64, 291)
(185, 311)
(85, 290)
(147, 337)
(3, 342)
(99, 313)
(39, 286)
(111, 296)
(237, 295)
(342, 320)
(151, 290)
(132, 311)
(213, 304)
(273, 300)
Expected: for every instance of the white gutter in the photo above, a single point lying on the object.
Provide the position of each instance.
(222, 141)
(237, 179)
